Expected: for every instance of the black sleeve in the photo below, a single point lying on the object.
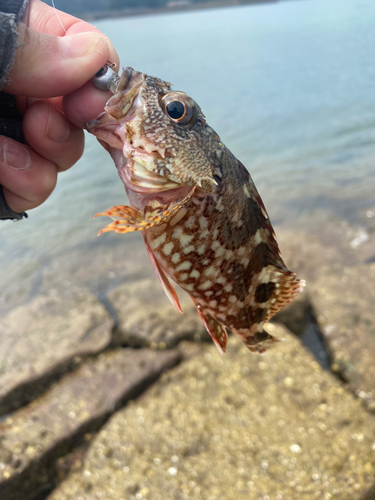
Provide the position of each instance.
(11, 13)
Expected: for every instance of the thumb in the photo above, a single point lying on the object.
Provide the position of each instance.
(51, 66)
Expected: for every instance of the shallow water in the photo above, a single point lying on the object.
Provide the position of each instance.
(289, 87)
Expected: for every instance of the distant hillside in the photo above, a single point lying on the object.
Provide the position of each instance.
(90, 9)
(79, 6)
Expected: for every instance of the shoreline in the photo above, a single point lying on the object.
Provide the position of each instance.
(108, 14)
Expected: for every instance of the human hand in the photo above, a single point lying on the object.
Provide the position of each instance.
(50, 77)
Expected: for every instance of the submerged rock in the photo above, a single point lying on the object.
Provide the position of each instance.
(34, 437)
(295, 316)
(340, 286)
(146, 318)
(40, 340)
(343, 301)
(229, 427)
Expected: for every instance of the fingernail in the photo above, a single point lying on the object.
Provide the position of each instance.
(15, 155)
(57, 127)
(79, 45)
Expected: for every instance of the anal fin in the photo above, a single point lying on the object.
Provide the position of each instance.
(170, 292)
(215, 329)
(260, 342)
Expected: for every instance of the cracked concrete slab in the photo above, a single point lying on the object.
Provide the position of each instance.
(146, 318)
(340, 287)
(34, 437)
(236, 426)
(342, 300)
(41, 339)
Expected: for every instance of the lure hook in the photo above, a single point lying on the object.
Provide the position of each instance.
(106, 78)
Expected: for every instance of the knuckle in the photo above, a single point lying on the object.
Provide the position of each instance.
(50, 180)
(42, 184)
(72, 153)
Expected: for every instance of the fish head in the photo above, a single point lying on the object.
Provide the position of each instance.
(157, 137)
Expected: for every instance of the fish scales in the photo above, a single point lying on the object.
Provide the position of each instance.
(202, 220)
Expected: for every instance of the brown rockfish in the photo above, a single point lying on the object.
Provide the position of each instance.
(202, 220)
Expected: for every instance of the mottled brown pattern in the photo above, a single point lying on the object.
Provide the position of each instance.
(216, 241)
(264, 292)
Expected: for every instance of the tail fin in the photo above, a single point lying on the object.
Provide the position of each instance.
(287, 287)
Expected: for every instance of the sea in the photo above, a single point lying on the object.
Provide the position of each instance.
(290, 88)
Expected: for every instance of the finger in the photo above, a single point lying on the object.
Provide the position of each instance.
(85, 104)
(27, 178)
(23, 102)
(50, 66)
(45, 19)
(48, 133)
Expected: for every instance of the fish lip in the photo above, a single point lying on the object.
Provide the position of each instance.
(124, 101)
(126, 76)
(139, 199)
(129, 79)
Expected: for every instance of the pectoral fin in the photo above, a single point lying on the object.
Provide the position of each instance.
(214, 328)
(170, 292)
(127, 219)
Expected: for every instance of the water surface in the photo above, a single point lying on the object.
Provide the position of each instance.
(289, 87)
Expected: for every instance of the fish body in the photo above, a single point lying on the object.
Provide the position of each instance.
(202, 220)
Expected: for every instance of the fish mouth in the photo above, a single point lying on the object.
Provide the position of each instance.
(143, 167)
(140, 179)
(141, 185)
(117, 130)
(136, 177)
(144, 161)
(137, 170)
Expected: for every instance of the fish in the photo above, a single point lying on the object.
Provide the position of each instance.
(202, 220)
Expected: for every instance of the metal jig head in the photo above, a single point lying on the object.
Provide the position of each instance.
(106, 78)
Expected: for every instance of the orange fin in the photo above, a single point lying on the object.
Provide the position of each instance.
(214, 328)
(170, 292)
(127, 219)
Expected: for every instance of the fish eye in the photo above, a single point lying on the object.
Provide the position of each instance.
(176, 110)
(180, 108)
